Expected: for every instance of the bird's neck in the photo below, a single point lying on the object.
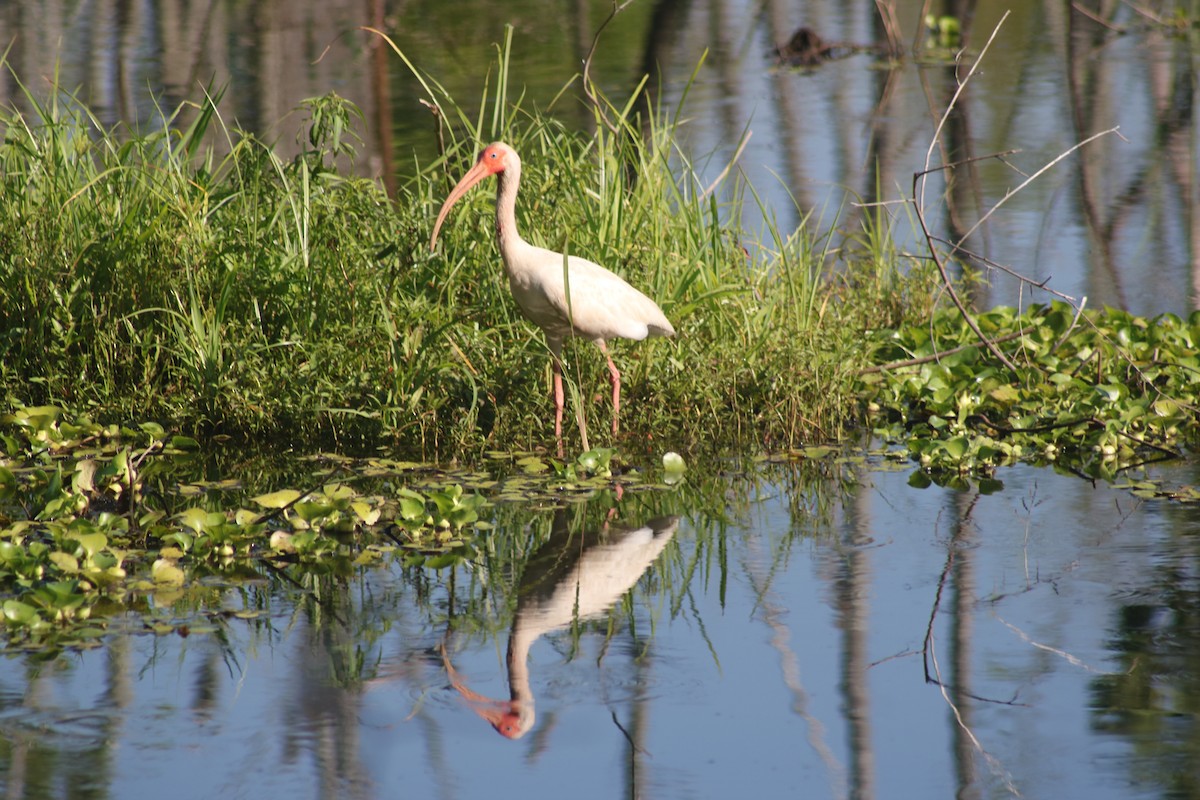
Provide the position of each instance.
(507, 184)
(519, 642)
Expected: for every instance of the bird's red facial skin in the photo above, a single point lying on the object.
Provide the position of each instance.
(494, 159)
(508, 725)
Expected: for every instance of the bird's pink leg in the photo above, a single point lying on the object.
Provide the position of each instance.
(614, 378)
(559, 402)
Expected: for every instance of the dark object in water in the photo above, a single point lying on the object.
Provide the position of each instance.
(807, 49)
(804, 49)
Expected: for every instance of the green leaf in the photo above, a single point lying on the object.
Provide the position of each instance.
(957, 447)
(673, 462)
(919, 480)
(198, 519)
(18, 613)
(65, 562)
(279, 499)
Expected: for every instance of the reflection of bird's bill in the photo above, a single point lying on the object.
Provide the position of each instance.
(506, 716)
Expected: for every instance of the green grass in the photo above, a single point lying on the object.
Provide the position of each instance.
(189, 274)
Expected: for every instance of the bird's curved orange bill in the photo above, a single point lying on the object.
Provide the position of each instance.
(474, 176)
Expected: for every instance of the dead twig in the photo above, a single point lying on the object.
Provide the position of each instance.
(588, 87)
(913, 362)
(1008, 195)
(919, 179)
(957, 248)
(1096, 18)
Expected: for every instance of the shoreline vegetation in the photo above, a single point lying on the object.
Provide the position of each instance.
(225, 291)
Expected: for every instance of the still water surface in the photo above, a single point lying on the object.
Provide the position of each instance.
(778, 647)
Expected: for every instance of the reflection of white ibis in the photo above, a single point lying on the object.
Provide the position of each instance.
(591, 302)
(570, 578)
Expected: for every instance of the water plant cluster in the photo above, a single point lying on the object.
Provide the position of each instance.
(163, 290)
(1097, 392)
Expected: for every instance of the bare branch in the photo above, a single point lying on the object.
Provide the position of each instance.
(1045, 167)
(919, 203)
(588, 87)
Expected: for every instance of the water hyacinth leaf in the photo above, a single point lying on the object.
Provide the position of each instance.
(85, 472)
(279, 499)
(58, 595)
(957, 447)
(532, 464)
(919, 480)
(673, 462)
(165, 571)
(596, 460)
(338, 491)
(120, 463)
(18, 613)
(312, 511)
(198, 519)
(35, 416)
(412, 505)
(10, 551)
(65, 562)
(153, 429)
(184, 541)
(91, 543)
(446, 499)
(151, 518)
(365, 512)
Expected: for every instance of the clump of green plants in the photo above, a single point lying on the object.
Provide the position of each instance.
(1099, 392)
(192, 275)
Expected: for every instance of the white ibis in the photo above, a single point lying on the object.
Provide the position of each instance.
(590, 302)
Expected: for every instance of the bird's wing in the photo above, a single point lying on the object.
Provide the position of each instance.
(602, 304)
